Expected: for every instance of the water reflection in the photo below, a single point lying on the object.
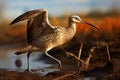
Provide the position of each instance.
(10, 61)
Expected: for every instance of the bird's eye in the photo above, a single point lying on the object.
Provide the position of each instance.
(76, 18)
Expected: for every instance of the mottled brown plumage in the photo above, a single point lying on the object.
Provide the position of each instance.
(42, 36)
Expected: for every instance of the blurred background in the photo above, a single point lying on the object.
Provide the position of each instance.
(102, 13)
(105, 14)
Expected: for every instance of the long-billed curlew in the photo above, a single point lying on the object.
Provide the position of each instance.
(42, 36)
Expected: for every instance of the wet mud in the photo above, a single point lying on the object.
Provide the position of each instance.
(99, 68)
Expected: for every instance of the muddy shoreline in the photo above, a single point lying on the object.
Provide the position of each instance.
(100, 68)
(96, 74)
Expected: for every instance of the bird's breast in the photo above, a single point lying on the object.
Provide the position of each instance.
(63, 36)
(57, 38)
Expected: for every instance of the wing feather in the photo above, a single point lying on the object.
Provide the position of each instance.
(40, 27)
(28, 15)
(38, 24)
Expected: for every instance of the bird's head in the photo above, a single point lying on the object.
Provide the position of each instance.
(77, 19)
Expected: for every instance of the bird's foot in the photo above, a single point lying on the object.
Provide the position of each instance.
(28, 70)
(60, 65)
(60, 68)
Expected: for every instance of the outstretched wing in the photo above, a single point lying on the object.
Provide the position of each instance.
(38, 23)
(40, 27)
(27, 15)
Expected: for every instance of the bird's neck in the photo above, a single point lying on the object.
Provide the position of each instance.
(72, 25)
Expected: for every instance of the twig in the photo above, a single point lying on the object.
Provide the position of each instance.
(101, 44)
(85, 65)
(64, 76)
(109, 58)
(72, 55)
(87, 61)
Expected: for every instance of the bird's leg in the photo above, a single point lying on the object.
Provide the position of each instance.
(79, 55)
(28, 62)
(46, 52)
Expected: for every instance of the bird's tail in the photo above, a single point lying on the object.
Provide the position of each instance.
(27, 15)
(27, 49)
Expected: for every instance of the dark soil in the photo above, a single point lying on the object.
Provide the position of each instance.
(99, 69)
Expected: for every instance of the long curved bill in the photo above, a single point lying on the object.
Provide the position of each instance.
(92, 26)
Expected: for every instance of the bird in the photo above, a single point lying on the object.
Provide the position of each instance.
(42, 36)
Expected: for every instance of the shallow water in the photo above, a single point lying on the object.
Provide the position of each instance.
(8, 59)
